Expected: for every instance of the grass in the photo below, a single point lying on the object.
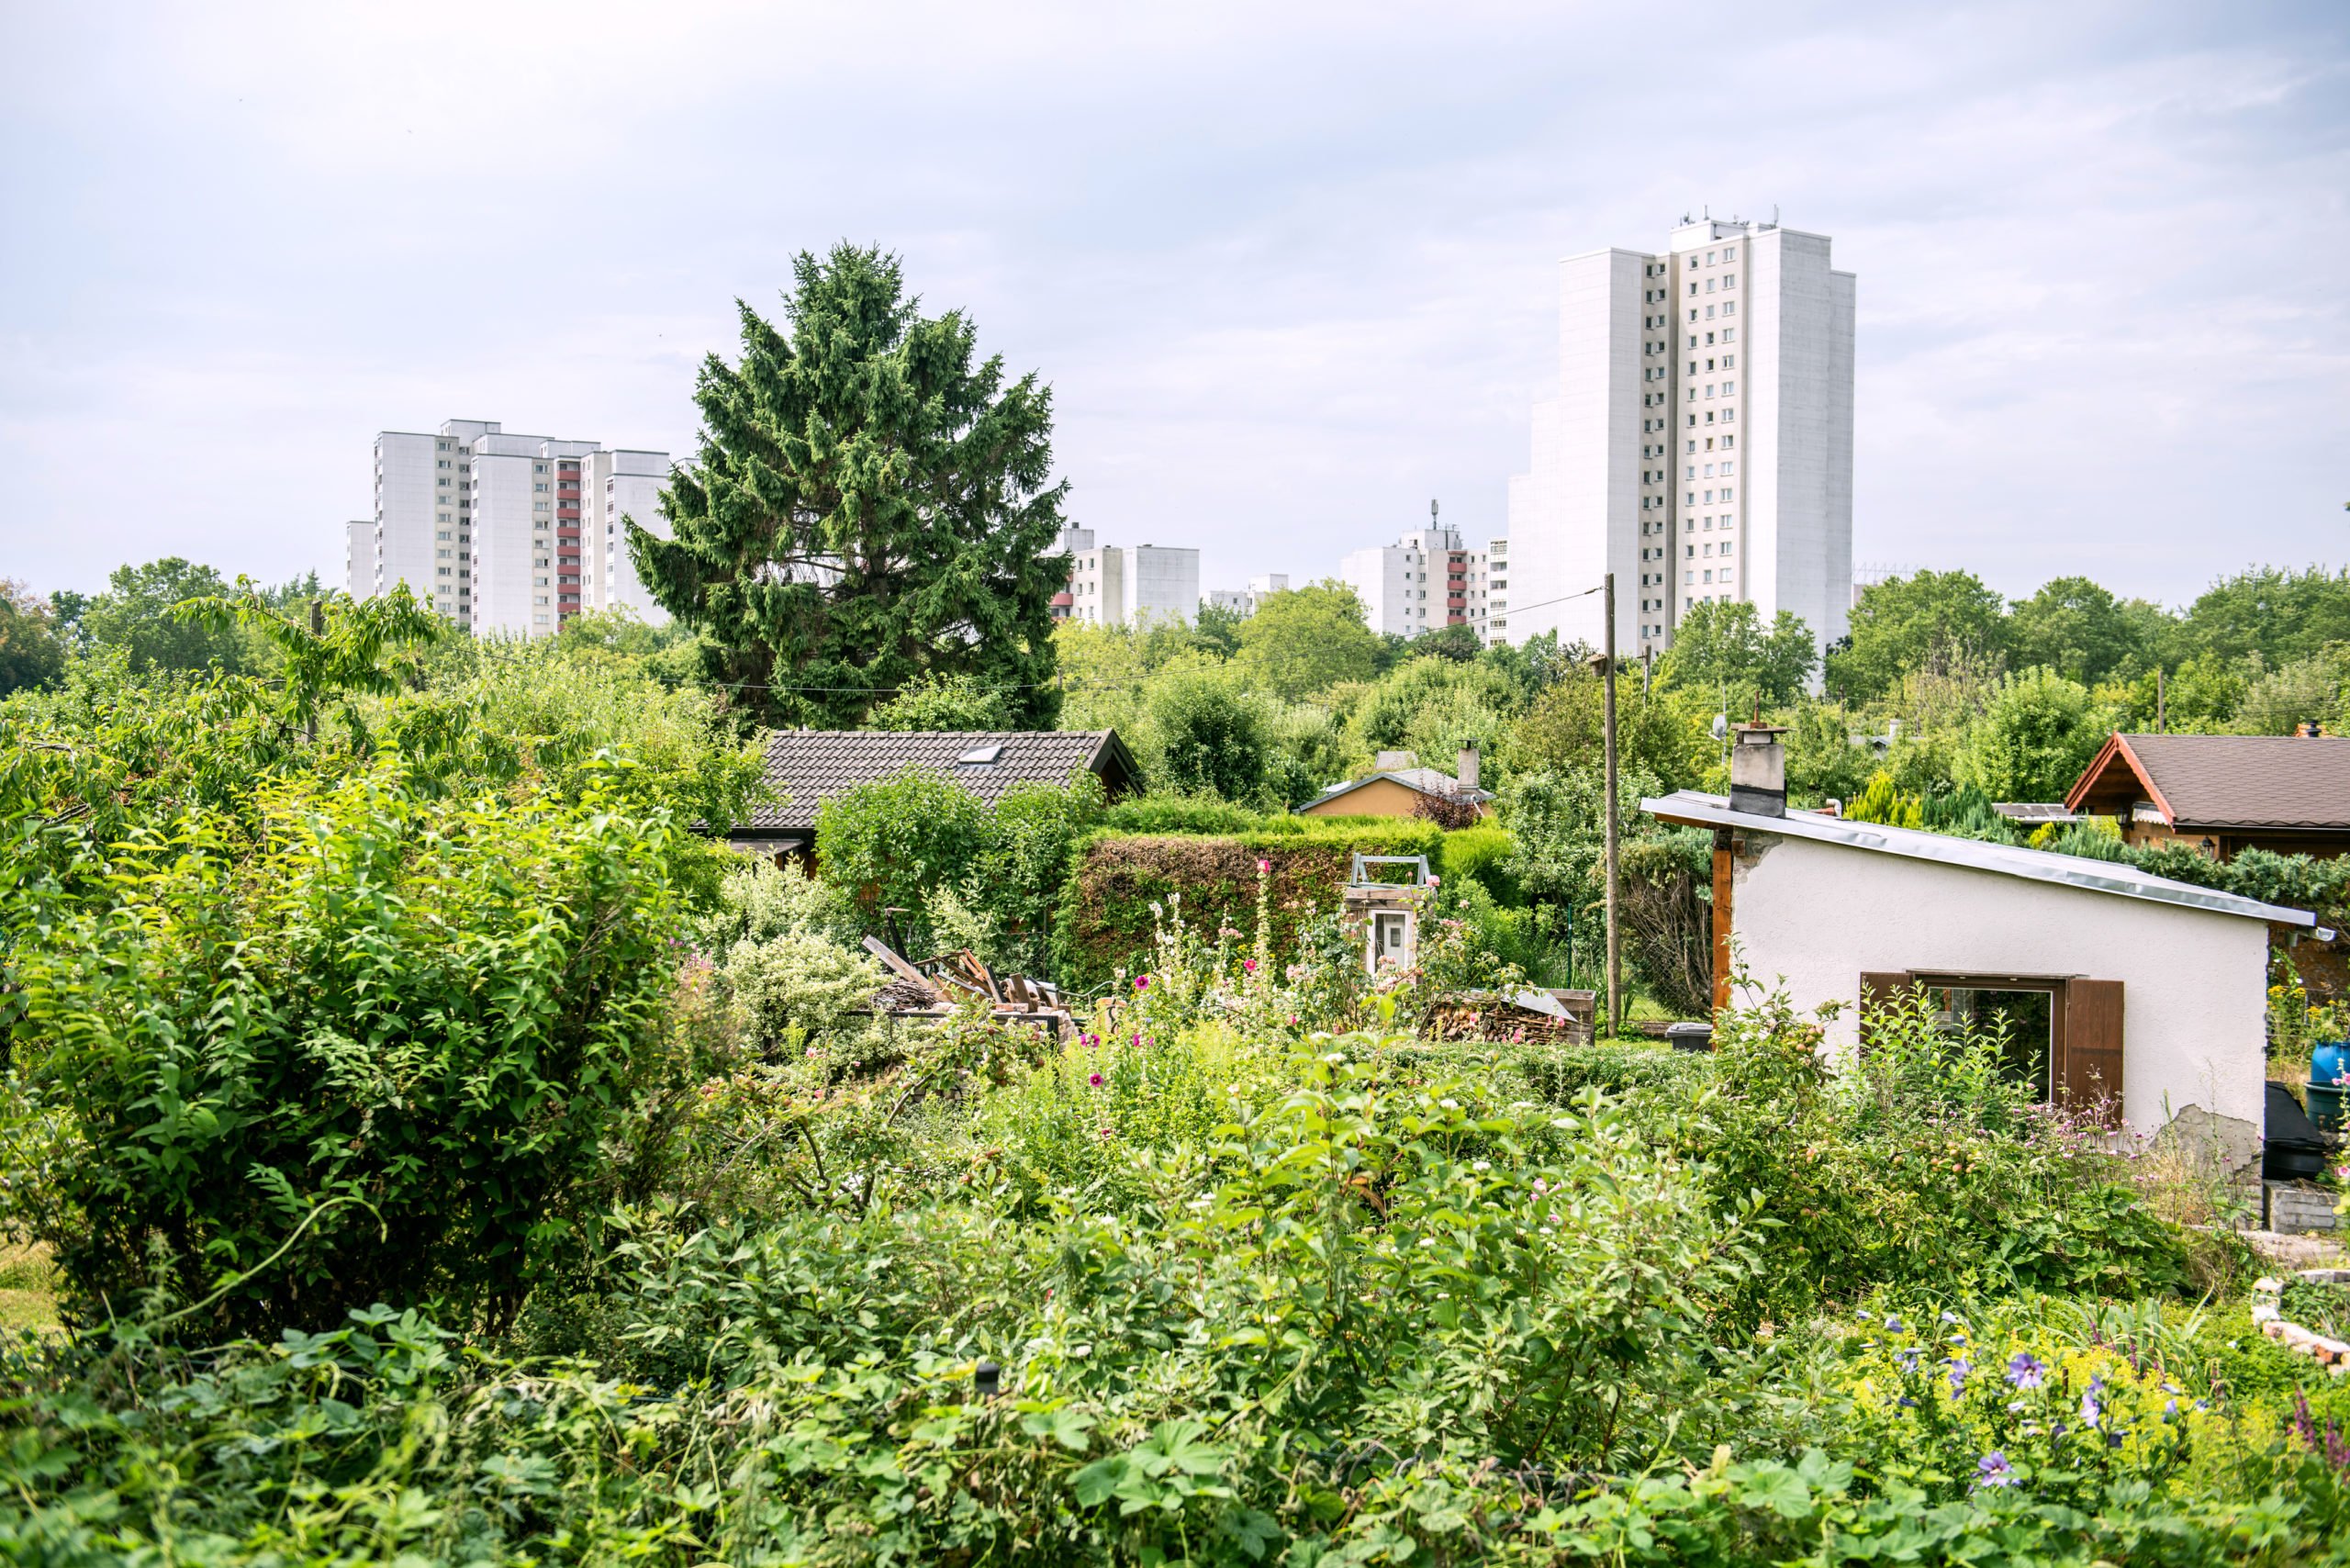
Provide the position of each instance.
(27, 1289)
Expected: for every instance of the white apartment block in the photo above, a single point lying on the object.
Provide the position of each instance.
(1488, 577)
(1243, 602)
(1134, 584)
(1416, 585)
(1700, 445)
(507, 534)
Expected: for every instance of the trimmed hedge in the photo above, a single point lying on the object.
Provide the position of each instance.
(1105, 917)
(1556, 1072)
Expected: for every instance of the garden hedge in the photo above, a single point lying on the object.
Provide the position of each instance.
(1105, 918)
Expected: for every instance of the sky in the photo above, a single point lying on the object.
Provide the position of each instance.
(1290, 270)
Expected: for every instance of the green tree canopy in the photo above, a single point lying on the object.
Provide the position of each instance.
(1904, 624)
(1719, 644)
(31, 652)
(135, 615)
(2282, 614)
(2080, 630)
(1308, 640)
(1564, 731)
(2033, 740)
(1207, 735)
(943, 702)
(868, 506)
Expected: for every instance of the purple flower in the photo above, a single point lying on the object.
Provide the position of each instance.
(2025, 1372)
(1993, 1470)
(1958, 1370)
(1095, 1080)
(1142, 983)
(1892, 1324)
(1909, 1358)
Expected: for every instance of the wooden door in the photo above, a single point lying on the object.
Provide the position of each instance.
(2088, 1061)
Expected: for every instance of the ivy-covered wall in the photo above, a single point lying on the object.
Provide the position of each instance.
(1105, 916)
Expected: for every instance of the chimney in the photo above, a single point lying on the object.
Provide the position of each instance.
(1758, 770)
(1468, 774)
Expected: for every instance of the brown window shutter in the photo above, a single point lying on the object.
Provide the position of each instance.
(1883, 989)
(2088, 1064)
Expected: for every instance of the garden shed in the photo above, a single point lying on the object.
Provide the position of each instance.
(807, 768)
(2116, 986)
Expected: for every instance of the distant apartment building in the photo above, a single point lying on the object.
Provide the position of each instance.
(1418, 583)
(507, 534)
(1244, 602)
(1489, 592)
(1133, 584)
(1699, 446)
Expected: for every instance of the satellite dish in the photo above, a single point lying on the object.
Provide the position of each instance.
(1721, 725)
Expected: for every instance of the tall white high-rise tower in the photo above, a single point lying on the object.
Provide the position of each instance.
(509, 533)
(1700, 445)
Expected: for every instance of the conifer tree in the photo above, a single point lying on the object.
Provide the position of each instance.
(868, 509)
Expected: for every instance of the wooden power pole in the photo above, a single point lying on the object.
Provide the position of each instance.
(1607, 678)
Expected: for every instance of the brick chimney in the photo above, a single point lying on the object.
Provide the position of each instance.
(1468, 774)
(1758, 770)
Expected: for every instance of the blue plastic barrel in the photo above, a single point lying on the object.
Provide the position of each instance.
(2327, 1061)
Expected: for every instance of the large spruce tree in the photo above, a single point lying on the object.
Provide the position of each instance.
(868, 509)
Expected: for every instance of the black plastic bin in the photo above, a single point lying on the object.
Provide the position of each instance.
(1689, 1036)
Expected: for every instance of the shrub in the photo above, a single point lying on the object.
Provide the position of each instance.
(1208, 737)
(1920, 1164)
(377, 1045)
(892, 842)
(1480, 853)
(789, 988)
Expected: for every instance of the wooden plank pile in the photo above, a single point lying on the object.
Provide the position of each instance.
(934, 987)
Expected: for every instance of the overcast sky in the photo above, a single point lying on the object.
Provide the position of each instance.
(1289, 268)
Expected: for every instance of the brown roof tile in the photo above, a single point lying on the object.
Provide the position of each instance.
(809, 766)
(2277, 782)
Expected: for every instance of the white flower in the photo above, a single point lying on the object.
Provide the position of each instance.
(1480, 1165)
(1449, 1104)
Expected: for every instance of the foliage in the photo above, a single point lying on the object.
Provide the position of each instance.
(1105, 919)
(869, 507)
(2080, 630)
(348, 649)
(136, 615)
(1306, 640)
(1565, 730)
(2033, 740)
(1924, 1164)
(1207, 737)
(794, 987)
(1665, 909)
(31, 652)
(1823, 761)
(892, 843)
(380, 1041)
(1904, 624)
(2283, 614)
(949, 702)
(1482, 854)
(1719, 644)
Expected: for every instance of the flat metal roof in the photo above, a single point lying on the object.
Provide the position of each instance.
(2115, 876)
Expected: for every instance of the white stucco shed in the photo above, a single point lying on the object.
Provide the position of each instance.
(2161, 985)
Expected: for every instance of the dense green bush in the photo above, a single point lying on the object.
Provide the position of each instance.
(379, 1043)
(1920, 1164)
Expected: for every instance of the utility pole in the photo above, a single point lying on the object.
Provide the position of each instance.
(1615, 949)
(318, 631)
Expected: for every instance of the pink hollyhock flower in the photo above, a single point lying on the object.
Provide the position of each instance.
(1142, 983)
(1248, 966)
(1095, 1080)
(1264, 864)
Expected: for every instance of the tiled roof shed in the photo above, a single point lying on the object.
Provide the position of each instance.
(2299, 783)
(807, 767)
